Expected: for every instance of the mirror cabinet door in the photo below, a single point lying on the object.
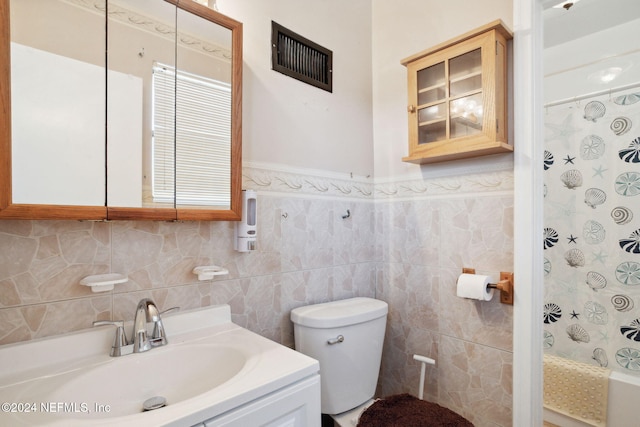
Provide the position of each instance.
(141, 40)
(208, 114)
(203, 114)
(56, 163)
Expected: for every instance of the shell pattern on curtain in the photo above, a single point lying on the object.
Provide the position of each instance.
(592, 231)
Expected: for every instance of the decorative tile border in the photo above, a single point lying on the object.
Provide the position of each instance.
(305, 182)
(489, 182)
(322, 184)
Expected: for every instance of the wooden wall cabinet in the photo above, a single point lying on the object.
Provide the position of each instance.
(458, 97)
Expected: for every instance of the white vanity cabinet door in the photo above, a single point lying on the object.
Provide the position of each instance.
(297, 405)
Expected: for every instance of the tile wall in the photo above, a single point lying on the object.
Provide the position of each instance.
(404, 242)
(429, 241)
(427, 232)
(306, 256)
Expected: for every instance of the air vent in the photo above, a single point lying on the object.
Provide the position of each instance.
(302, 59)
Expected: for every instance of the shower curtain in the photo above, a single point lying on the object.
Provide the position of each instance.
(592, 231)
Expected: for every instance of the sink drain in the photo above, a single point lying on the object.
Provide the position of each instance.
(155, 402)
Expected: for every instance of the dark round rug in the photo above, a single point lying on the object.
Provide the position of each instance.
(404, 410)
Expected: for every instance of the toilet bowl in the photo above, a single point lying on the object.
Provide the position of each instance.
(346, 338)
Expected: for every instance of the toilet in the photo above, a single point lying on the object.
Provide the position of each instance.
(346, 338)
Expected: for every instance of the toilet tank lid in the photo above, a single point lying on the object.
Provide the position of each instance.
(339, 313)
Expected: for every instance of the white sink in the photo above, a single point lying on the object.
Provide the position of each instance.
(173, 373)
(210, 366)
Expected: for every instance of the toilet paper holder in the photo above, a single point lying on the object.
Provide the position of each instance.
(505, 285)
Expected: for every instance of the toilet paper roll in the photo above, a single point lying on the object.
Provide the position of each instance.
(474, 286)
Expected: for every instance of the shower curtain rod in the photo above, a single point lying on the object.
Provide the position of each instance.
(592, 94)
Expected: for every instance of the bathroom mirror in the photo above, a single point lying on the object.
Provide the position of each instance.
(121, 135)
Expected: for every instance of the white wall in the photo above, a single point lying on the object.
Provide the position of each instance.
(361, 127)
(287, 122)
(400, 30)
(572, 68)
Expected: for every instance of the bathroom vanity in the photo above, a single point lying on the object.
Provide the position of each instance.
(211, 373)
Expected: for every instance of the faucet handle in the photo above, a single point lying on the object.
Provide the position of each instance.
(158, 336)
(120, 343)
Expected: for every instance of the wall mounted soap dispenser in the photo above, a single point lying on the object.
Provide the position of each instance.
(246, 229)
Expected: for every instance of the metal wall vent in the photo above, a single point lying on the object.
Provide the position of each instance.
(302, 59)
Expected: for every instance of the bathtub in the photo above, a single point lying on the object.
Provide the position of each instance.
(622, 409)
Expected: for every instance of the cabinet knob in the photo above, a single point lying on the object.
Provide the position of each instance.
(411, 108)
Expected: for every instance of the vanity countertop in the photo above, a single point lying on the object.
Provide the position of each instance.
(71, 380)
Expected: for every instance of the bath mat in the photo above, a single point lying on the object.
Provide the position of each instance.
(404, 410)
(576, 389)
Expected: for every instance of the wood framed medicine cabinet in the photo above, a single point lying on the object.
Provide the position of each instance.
(457, 93)
(113, 114)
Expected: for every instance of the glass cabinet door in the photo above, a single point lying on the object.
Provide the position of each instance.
(432, 108)
(450, 98)
(465, 94)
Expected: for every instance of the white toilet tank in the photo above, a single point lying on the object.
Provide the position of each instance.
(346, 337)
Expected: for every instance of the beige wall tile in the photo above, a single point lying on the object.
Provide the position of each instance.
(406, 252)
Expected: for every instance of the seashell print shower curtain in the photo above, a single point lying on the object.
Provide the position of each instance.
(592, 231)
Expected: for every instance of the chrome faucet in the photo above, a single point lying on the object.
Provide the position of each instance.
(146, 313)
